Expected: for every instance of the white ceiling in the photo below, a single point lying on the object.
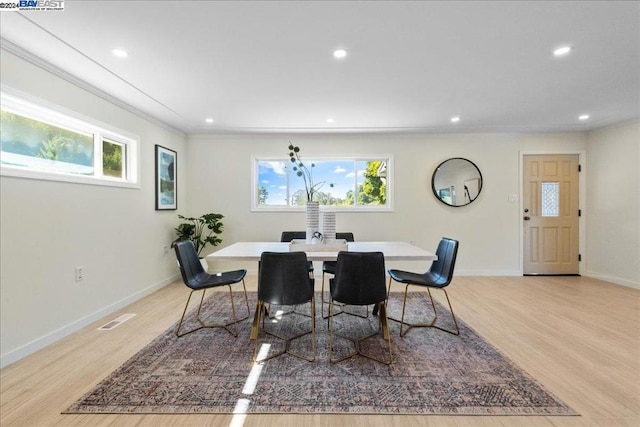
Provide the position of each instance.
(268, 66)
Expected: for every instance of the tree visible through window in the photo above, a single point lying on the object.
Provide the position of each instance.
(112, 159)
(41, 142)
(346, 183)
(32, 143)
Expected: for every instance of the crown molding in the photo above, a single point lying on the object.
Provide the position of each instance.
(49, 67)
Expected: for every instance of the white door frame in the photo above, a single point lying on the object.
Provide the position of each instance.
(582, 195)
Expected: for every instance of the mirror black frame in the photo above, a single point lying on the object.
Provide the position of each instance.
(438, 196)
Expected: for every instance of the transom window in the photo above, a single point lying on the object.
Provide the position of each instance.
(43, 141)
(343, 184)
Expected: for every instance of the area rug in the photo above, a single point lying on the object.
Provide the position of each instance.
(210, 371)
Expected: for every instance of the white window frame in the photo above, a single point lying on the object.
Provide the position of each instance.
(356, 208)
(37, 109)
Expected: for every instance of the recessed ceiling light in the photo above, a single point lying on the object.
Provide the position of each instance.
(330, 120)
(208, 120)
(120, 53)
(340, 53)
(561, 51)
(583, 117)
(455, 119)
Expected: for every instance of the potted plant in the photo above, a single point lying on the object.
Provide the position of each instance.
(202, 231)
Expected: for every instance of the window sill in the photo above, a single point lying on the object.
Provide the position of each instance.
(61, 177)
(301, 209)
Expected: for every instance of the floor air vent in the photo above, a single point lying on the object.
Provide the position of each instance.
(116, 322)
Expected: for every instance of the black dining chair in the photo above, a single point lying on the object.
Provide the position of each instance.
(197, 279)
(288, 236)
(438, 276)
(359, 280)
(283, 280)
(329, 267)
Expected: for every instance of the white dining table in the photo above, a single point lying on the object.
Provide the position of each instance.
(251, 251)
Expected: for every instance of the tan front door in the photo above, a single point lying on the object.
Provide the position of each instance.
(550, 214)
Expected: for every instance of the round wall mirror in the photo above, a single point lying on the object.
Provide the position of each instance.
(457, 182)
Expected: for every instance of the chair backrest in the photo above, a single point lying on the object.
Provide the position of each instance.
(288, 236)
(441, 270)
(190, 266)
(283, 278)
(346, 236)
(359, 278)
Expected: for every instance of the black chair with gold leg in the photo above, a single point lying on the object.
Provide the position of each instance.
(439, 276)
(360, 280)
(283, 280)
(288, 236)
(329, 267)
(197, 279)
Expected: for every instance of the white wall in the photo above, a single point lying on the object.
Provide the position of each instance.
(613, 204)
(488, 229)
(48, 228)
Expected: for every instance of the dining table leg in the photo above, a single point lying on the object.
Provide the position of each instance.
(256, 321)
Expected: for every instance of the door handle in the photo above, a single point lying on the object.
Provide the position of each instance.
(526, 218)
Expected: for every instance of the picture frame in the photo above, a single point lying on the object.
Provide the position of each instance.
(166, 179)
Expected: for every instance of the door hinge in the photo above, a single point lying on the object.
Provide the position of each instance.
(579, 168)
(579, 257)
(579, 212)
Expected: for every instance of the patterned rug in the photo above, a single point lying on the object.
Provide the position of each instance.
(210, 371)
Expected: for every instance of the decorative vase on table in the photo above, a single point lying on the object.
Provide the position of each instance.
(313, 219)
(329, 225)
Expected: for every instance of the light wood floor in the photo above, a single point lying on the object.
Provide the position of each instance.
(579, 337)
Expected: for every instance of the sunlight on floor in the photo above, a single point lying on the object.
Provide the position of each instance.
(277, 317)
(240, 411)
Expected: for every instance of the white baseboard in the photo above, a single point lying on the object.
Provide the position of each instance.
(487, 273)
(613, 279)
(39, 343)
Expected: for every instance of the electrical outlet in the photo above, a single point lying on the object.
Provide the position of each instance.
(79, 274)
(165, 249)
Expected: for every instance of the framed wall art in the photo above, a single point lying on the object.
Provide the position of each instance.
(166, 179)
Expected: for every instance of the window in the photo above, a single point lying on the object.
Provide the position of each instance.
(43, 141)
(343, 184)
(550, 198)
(113, 159)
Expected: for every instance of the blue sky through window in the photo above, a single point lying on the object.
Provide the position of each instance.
(273, 177)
